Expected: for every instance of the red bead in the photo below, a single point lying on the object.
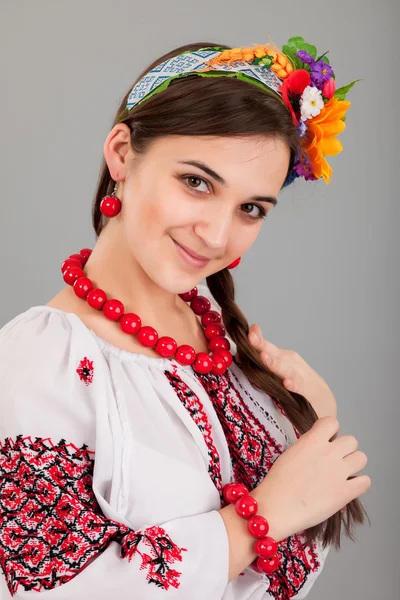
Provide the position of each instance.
(77, 257)
(82, 287)
(219, 366)
(225, 354)
(214, 330)
(266, 548)
(185, 355)
(113, 309)
(70, 262)
(85, 253)
(147, 336)
(219, 342)
(258, 526)
(200, 305)
(234, 264)
(96, 298)
(187, 296)
(268, 565)
(233, 491)
(71, 274)
(130, 323)
(211, 316)
(255, 567)
(203, 363)
(246, 507)
(110, 206)
(166, 346)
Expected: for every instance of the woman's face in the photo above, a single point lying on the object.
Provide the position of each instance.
(205, 193)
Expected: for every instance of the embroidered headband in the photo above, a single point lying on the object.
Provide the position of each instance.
(305, 83)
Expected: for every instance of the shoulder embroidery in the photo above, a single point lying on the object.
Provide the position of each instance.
(85, 371)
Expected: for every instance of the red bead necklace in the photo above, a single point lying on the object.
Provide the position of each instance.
(217, 361)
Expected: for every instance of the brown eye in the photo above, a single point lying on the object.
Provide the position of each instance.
(195, 182)
(261, 211)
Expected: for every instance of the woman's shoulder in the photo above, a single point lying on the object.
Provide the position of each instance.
(45, 376)
(39, 328)
(42, 347)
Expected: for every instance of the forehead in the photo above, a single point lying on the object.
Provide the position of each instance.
(237, 150)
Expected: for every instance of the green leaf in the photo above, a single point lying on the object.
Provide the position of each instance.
(295, 60)
(310, 49)
(294, 45)
(340, 93)
(326, 59)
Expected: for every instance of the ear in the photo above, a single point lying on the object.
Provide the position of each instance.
(118, 151)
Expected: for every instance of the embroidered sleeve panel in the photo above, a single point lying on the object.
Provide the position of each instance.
(51, 526)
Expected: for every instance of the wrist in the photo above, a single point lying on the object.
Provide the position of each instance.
(276, 527)
(265, 547)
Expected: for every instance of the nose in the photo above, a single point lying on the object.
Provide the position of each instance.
(215, 227)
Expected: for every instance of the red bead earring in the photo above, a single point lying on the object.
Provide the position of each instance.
(234, 263)
(110, 206)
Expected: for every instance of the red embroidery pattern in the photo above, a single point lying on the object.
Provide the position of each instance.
(163, 552)
(51, 525)
(196, 410)
(253, 451)
(86, 371)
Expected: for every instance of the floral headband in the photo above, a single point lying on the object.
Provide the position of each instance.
(305, 83)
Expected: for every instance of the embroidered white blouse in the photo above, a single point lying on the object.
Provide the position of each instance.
(112, 465)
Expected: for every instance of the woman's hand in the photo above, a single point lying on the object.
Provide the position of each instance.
(296, 374)
(311, 480)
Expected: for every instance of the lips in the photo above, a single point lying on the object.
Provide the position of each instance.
(194, 254)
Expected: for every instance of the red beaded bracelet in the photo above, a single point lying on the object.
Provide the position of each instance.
(246, 506)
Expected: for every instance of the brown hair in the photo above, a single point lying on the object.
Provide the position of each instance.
(226, 106)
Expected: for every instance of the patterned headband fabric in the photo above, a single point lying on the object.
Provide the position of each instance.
(196, 62)
(303, 81)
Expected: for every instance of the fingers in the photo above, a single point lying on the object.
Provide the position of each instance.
(345, 445)
(355, 462)
(257, 340)
(325, 427)
(358, 486)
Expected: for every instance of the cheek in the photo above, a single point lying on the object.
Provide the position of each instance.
(243, 238)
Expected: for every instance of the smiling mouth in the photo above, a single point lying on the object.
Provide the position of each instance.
(190, 258)
(193, 254)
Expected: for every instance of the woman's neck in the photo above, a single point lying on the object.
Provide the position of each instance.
(112, 268)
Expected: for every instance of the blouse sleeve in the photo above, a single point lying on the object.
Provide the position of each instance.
(54, 535)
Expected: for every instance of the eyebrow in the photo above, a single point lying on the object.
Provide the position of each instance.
(221, 180)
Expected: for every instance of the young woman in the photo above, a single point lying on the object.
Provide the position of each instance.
(149, 449)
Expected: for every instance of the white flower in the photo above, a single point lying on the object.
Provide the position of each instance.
(311, 103)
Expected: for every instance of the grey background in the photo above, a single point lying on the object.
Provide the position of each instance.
(323, 276)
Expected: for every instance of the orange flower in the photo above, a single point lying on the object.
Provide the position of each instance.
(320, 141)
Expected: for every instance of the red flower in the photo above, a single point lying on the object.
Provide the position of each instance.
(85, 370)
(292, 89)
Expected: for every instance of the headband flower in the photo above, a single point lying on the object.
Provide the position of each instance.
(309, 91)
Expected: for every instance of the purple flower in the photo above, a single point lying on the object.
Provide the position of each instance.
(320, 73)
(302, 128)
(306, 58)
(304, 169)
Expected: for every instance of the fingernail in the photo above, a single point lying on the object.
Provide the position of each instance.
(254, 338)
